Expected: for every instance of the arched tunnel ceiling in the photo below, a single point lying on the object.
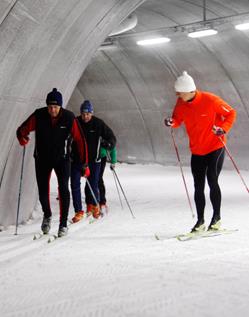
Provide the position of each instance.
(52, 43)
(44, 44)
(159, 13)
(132, 87)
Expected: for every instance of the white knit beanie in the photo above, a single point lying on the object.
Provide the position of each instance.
(185, 83)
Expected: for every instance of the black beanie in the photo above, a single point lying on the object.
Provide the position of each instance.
(54, 98)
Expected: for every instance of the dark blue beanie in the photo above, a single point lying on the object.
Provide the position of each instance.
(54, 98)
(86, 107)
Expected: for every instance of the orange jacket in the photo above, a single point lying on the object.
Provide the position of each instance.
(199, 116)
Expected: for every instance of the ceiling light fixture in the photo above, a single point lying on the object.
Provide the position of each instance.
(207, 30)
(202, 33)
(154, 41)
(243, 26)
(205, 27)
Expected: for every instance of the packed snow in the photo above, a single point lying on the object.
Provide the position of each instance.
(116, 267)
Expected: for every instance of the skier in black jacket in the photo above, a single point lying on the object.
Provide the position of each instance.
(97, 135)
(54, 129)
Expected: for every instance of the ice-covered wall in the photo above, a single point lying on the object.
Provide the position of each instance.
(43, 44)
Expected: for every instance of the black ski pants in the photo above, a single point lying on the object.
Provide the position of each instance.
(102, 191)
(209, 166)
(43, 173)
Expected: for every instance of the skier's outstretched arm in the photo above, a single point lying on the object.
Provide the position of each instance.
(25, 128)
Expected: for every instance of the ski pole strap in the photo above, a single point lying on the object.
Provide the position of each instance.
(234, 164)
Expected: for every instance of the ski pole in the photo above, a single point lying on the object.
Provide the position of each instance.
(114, 172)
(117, 190)
(20, 190)
(234, 164)
(91, 190)
(184, 181)
(109, 158)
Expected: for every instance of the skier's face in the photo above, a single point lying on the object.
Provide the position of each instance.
(86, 116)
(53, 110)
(185, 96)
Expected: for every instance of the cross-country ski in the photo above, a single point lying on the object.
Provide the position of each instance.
(194, 235)
(204, 234)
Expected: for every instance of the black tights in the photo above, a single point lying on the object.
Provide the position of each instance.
(43, 173)
(209, 165)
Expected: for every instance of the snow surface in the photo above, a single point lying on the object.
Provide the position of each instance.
(116, 267)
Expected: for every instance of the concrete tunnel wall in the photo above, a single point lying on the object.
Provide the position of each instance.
(132, 88)
(44, 44)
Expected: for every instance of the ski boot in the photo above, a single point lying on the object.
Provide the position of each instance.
(46, 224)
(93, 210)
(103, 209)
(62, 231)
(96, 211)
(215, 224)
(199, 226)
(78, 216)
(89, 210)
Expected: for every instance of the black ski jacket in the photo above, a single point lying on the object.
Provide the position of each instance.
(53, 140)
(97, 133)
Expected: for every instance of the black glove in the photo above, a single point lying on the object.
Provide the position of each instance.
(106, 145)
(168, 122)
(112, 167)
(218, 131)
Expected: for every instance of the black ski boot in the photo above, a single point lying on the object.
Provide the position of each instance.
(199, 226)
(62, 231)
(46, 224)
(215, 224)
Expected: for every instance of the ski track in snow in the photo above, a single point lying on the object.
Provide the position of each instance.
(116, 267)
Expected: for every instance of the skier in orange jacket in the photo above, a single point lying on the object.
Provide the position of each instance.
(207, 119)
